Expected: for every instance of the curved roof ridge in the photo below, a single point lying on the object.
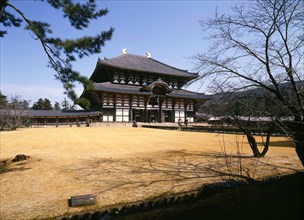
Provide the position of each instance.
(145, 64)
(127, 54)
(172, 66)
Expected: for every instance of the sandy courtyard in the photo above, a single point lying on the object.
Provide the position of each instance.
(121, 165)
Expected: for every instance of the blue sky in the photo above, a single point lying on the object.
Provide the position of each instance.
(169, 30)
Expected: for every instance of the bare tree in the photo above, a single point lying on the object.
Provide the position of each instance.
(14, 113)
(245, 112)
(260, 46)
(248, 112)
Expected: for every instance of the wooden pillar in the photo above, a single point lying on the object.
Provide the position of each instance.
(173, 110)
(185, 108)
(194, 109)
(130, 108)
(114, 105)
(101, 100)
(160, 103)
(146, 111)
(159, 114)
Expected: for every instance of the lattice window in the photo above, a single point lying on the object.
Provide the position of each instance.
(122, 115)
(118, 100)
(169, 103)
(190, 105)
(105, 100)
(135, 101)
(122, 79)
(181, 103)
(179, 115)
(108, 100)
(107, 118)
(125, 100)
(141, 101)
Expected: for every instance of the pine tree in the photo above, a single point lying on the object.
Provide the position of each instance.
(42, 104)
(39, 105)
(47, 105)
(57, 106)
(62, 52)
(3, 101)
(65, 105)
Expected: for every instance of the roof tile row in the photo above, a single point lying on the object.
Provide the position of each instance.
(144, 64)
(136, 90)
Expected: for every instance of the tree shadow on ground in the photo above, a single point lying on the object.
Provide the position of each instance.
(8, 166)
(172, 172)
(282, 143)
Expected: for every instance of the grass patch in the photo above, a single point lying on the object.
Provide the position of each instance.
(121, 166)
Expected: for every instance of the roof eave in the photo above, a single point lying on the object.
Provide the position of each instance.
(100, 63)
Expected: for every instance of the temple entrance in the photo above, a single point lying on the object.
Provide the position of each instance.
(153, 116)
(167, 116)
(138, 115)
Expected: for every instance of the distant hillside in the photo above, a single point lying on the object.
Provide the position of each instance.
(256, 93)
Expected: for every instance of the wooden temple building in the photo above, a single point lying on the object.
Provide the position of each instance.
(137, 88)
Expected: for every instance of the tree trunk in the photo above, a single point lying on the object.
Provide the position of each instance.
(300, 150)
(266, 145)
(298, 138)
(253, 145)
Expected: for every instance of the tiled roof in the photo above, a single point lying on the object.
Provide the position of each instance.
(50, 113)
(181, 93)
(59, 113)
(132, 89)
(144, 64)
(119, 88)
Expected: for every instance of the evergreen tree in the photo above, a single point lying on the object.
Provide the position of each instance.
(57, 106)
(62, 52)
(65, 105)
(38, 105)
(47, 105)
(3, 100)
(42, 104)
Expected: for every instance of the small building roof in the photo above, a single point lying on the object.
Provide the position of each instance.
(181, 93)
(50, 113)
(144, 64)
(60, 113)
(249, 118)
(137, 90)
(119, 88)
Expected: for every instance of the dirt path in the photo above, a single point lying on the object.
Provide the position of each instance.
(120, 165)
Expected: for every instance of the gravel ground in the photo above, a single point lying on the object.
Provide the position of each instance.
(122, 166)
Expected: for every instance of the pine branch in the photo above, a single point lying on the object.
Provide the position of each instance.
(79, 15)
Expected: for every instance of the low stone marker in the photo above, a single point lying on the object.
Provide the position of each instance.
(82, 200)
(21, 157)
